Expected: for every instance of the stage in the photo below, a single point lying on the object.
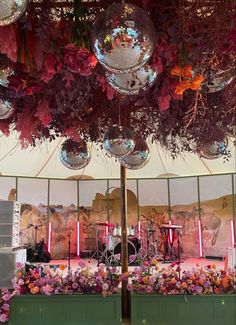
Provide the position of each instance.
(186, 264)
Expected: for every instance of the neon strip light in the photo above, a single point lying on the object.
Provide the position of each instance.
(106, 229)
(200, 237)
(139, 230)
(49, 236)
(232, 232)
(78, 239)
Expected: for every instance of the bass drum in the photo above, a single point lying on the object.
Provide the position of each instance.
(131, 249)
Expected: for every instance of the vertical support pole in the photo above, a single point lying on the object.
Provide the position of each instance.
(124, 244)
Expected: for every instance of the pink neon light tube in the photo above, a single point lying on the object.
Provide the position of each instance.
(49, 236)
(232, 232)
(78, 239)
(200, 237)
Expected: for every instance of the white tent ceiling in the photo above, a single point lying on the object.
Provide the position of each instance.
(43, 161)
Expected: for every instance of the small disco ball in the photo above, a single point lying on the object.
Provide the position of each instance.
(11, 10)
(118, 141)
(131, 83)
(6, 109)
(4, 74)
(123, 38)
(139, 157)
(218, 80)
(74, 155)
(214, 150)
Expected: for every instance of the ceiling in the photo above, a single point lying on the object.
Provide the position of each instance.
(43, 161)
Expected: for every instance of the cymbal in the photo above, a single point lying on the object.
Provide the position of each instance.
(105, 224)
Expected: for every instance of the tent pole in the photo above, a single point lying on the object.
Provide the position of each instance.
(124, 245)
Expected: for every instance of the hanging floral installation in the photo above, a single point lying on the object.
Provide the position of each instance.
(55, 86)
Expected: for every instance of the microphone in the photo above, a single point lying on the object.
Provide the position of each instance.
(69, 233)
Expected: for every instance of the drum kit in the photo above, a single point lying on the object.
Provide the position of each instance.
(143, 244)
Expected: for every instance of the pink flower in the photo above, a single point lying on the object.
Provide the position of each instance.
(105, 286)
(3, 318)
(129, 287)
(5, 307)
(149, 289)
(82, 264)
(6, 297)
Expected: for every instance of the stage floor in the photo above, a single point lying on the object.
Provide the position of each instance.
(186, 265)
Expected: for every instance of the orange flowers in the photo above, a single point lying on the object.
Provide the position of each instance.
(34, 290)
(62, 267)
(187, 79)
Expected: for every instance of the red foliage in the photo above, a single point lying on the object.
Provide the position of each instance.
(61, 90)
(43, 112)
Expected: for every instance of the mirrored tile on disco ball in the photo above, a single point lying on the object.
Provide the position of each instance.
(131, 83)
(123, 37)
(11, 11)
(118, 141)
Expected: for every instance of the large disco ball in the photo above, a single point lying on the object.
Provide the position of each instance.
(214, 150)
(123, 37)
(6, 109)
(218, 80)
(11, 10)
(118, 141)
(139, 157)
(131, 83)
(74, 155)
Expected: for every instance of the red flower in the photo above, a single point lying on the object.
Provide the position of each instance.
(79, 60)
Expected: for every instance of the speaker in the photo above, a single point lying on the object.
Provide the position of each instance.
(8, 264)
(9, 224)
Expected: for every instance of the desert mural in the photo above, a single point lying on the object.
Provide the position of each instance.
(215, 216)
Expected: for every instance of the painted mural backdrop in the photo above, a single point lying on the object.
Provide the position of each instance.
(63, 217)
(216, 204)
(185, 212)
(151, 201)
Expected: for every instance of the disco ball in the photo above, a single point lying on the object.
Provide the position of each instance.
(218, 80)
(74, 155)
(139, 157)
(131, 83)
(6, 109)
(214, 150)
(123, 37)
(4, 74)
(11, 10)
(118, 141)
